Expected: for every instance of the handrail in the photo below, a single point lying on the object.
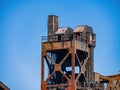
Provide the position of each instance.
(62, 37)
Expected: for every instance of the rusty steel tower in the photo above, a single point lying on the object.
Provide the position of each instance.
(67, 57)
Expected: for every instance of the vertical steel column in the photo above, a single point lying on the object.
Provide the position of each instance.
(43, 85)
(73, 82)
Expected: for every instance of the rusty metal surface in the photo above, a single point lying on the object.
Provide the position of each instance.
(67, 60)
(52, 24)
(79, 29)
(3, 86)
(112, 81)
(62, 53)
(64, 30)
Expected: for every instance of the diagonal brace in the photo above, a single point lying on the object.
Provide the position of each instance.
(50, 59)
(64, 58)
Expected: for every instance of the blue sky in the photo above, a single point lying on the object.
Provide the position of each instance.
(23, 22)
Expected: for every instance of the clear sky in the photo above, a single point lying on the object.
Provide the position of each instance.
(23, 22)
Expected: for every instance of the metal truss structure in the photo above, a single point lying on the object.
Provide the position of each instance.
(67, 57)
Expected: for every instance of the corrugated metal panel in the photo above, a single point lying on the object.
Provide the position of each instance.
(79, 29)
(61, 30)
(64, 30)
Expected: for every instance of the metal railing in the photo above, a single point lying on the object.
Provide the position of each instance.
(62, 37)
(54, 38)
